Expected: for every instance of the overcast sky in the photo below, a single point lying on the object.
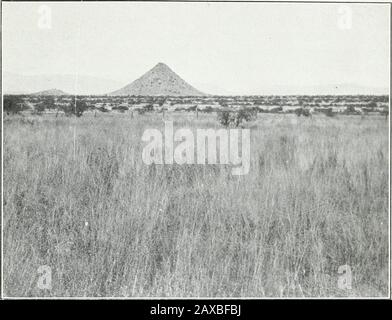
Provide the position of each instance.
(239, 47)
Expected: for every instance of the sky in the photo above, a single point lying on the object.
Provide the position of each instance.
(236, 47)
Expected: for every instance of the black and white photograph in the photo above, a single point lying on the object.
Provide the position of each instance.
(195, 150)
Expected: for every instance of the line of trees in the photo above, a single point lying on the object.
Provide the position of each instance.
(13, 105)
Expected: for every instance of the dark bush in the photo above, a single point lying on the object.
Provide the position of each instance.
(224, 118)
(236, 118)
(13, 104)
(302, 112)
(102, 109)
(350, 110)
(148, 108)
(208, 109)
(244, 115)
(329, 112)
(75, 108)
(39, 108)
(141, 111)
(120, 108)
(276, 110)
(192, 108)
(298, 112)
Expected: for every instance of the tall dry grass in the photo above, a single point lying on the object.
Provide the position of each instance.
(107, 224)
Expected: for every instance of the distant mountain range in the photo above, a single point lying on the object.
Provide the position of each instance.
(327, 89)
(51, 92)
(74, 84)
(159, 81)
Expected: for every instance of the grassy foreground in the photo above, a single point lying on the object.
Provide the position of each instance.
(316, 198)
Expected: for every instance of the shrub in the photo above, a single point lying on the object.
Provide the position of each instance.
(350, 110)
(120, 108)
(302, 112)
(244, 115)
(329, 112)
(13, 104)
(208, 109)
(148, 108)
(141, 111)
(236, 118)
(366, 110)
(39, 108)
(102, 109)
(161, 102)
(46, 103)
(224, 118)
(75, 108)
(276, 110)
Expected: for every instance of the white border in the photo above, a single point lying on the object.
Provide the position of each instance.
(207, 298)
